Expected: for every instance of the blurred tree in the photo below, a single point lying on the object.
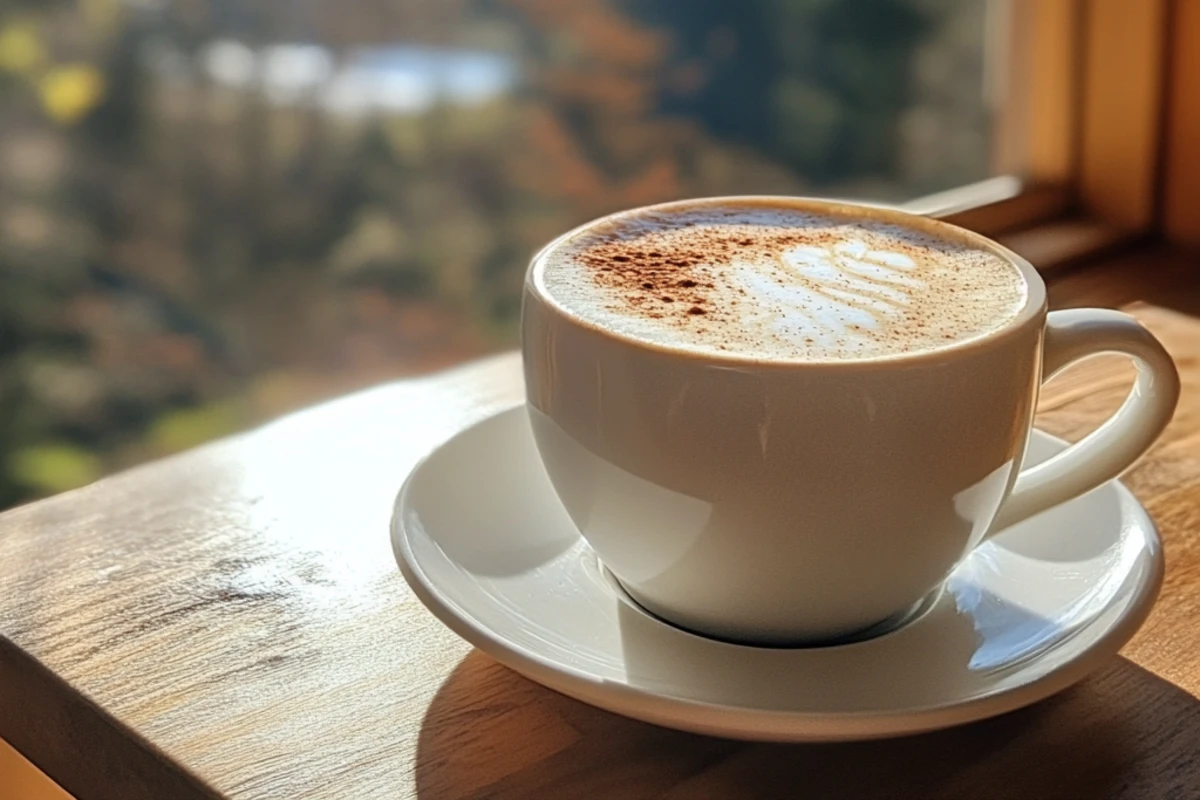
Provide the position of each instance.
(212, 211)
(821, 84)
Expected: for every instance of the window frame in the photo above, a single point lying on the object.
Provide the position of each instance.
(1180, 172)
(1078, 132)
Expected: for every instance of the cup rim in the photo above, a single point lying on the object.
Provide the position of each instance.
(1033, 309)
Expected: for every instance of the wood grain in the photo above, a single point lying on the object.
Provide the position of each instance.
(230, 622)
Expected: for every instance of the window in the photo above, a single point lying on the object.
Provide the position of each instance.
(215, 211)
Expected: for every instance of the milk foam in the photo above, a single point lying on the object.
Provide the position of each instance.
(771, 282)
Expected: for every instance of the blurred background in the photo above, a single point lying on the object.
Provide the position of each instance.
(215, 211)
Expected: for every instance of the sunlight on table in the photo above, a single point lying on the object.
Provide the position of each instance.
(20, 780)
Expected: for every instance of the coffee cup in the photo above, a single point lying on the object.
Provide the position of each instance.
(783, 421)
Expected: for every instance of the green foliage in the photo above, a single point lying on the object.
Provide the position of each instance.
(53, 467)
(185, 428)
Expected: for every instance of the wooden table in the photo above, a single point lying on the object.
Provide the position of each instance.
(231, 622)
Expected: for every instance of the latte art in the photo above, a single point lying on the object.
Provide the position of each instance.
(769, 281)
(840, 293)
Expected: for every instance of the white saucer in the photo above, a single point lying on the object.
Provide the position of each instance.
(485, 544)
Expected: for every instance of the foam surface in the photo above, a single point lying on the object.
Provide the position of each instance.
(769, 281)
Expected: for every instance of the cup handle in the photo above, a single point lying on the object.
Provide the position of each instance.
(1109, 450)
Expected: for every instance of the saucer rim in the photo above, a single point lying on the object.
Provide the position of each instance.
(772, 725)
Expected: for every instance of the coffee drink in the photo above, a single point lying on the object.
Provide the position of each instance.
(784, 421)
(768, 280)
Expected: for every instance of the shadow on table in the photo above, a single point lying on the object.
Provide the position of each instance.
(1123, 731)
(1156, 274)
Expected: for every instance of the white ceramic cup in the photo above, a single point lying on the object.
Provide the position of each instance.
(787, 502)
